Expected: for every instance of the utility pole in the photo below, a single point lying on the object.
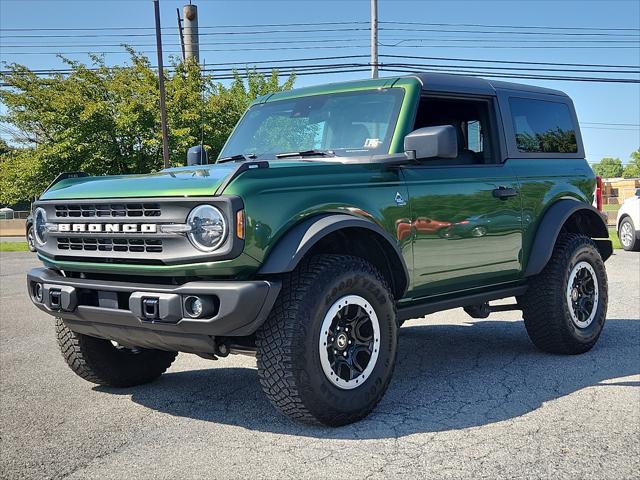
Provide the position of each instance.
(163, 105)
(181, 34)
(191, 42)
(374, 38)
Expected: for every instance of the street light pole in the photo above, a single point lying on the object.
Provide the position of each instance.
(374, 38)
(163, 105)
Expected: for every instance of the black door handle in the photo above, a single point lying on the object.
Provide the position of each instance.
(504, 193)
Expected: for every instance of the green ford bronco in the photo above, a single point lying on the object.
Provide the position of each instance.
(332, 214)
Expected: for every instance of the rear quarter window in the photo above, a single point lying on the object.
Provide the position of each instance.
(542, 126)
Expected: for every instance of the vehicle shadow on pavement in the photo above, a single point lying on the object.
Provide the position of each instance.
(447, 377)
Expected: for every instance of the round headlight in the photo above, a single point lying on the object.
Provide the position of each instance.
(40, 225)
(208, 228)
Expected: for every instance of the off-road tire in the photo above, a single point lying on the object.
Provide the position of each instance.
(545, 308)
(634, 246)
(289, 365)
(99, 361)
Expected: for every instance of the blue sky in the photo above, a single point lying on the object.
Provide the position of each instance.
(596, 103)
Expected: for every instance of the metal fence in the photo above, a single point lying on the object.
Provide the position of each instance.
(14, 215)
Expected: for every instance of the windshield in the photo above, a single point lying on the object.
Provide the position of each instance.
(348, 124)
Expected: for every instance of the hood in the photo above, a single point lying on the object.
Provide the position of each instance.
(172, 182)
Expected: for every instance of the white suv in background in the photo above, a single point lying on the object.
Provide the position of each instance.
(629, 223)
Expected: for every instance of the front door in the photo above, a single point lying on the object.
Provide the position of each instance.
(465, 212)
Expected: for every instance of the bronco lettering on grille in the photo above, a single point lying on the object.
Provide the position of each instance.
(108, 227)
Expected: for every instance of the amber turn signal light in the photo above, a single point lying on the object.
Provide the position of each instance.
(240, 224)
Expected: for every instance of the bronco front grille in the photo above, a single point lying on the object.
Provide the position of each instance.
(106, 210)
(110, 244)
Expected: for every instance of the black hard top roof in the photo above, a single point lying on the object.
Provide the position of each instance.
(442, 82)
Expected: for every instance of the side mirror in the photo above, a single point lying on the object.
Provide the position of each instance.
(197, 156)
(432, 142)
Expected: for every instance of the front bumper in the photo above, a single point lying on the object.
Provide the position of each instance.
(120, 311)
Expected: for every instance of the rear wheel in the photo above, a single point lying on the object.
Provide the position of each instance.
(327, 351)
(627, 235)
(565, 306)
(105, 363)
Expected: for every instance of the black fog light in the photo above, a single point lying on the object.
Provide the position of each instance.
(37, 292)
(198, 307)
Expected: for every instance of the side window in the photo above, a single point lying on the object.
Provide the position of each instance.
(475, 136)
(470, 118)
(542, 126)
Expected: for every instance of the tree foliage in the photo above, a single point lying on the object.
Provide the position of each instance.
(632, 169)
(608, 167)
(105, 120)
(558, 140)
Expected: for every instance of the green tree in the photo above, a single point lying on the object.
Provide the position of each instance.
(105, 120)
(632, 169)
(558, 140)
(4, 147)
(608, 167)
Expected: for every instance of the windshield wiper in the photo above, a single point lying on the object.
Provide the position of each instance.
(238, 157)
(307, 153)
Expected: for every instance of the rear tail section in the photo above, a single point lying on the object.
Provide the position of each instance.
(597, 197)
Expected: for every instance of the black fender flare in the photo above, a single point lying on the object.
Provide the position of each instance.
(294, 244)
(551, 224)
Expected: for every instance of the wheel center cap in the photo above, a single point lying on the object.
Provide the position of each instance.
(574, 294)
(341, 341)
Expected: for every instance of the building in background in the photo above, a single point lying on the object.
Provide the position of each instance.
(616, 190)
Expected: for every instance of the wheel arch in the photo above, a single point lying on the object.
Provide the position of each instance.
(622, 217)
(340, 233)
(570, 216)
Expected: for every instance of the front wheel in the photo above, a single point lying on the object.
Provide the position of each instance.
(100, 361)
(31, 240)
(627, 235)
(565, 306)
(327, 351)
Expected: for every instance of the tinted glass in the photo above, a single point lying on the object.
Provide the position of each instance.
(352, 123)
(543, 127)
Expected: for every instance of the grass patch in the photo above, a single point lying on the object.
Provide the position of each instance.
(611, 208)
(14, 247)
(613, 236)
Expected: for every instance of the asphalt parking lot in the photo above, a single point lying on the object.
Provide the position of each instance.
(469, 399)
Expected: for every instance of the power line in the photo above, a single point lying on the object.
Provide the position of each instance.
(331, 47)
(507, 40)
(539, 27)
(543, 47)
(530, 69)
(307, 59)
(482, 69)
(136, 45)
(419, 69)
(410, 57)
(261, 25)
(503, 32)
(611, 129)
(616, 124)
(292, 28)
(170, 28)
(249, 32)
(317, 40)
(124, 52)
(513, 62)
(504, 36)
